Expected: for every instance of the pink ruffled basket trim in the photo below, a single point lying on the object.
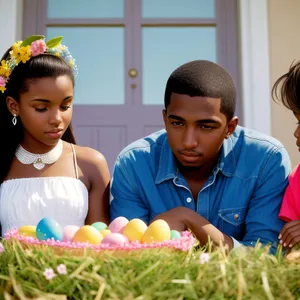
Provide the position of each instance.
(184, 243)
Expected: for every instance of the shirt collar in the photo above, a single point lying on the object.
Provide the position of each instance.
(227, 161)
(168, 170)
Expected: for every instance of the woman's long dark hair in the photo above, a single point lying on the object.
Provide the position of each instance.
(287, 88)
(41, 66)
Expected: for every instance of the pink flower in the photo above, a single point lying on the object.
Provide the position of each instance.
(2, 81)
(204, 258)
(61, 269)
(1, 248)
(38, 47)
(49, 273)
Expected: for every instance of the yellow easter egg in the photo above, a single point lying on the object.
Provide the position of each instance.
(28, 230)
(158, 231)
(105, 232)
(88, 234)
(135, 230)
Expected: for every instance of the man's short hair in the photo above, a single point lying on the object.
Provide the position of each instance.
(203, 78)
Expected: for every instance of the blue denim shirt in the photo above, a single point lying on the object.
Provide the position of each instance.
(242, 196)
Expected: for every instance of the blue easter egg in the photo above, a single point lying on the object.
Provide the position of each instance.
(175, 235)
(48, 228)
(99, 226)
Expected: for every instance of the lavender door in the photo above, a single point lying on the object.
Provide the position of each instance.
(125, 50)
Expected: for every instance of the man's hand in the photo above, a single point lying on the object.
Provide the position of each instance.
(175, 218)
(181, 218)
(290, 234)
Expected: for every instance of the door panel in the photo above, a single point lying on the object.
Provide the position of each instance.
(99, 54)
(166, 48)
(178, 8)
(112, 128)
(82, 9)
(109, 138)
(150, 129)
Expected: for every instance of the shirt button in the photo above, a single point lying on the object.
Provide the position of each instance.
(236, 216)
(188, 199)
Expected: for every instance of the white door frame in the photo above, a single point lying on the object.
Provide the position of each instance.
(255, 64)
(254, 52)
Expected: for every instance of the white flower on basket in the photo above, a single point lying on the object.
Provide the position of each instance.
(204, 258)
(62, 269)
(49, 273)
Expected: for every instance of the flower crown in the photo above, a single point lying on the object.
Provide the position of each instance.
(34, 45)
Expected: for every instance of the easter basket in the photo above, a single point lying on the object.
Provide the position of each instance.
(120, 238)
(185, 243)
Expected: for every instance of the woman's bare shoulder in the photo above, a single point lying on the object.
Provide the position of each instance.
(89, 155)
(93, 165)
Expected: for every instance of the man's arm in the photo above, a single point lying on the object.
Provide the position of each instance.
(262, 221)
(125, 199)
(181, 218)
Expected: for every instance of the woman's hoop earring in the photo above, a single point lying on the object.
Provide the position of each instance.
(14, 119)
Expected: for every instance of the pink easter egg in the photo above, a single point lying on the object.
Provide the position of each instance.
(69, 232)
(115, 239)
(118, 224)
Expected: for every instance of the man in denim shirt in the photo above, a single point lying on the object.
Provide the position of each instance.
(204, 172)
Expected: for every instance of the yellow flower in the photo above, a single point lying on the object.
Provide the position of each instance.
(17, 44)
(71, 63)
(4, 70)
(17, 60)
(2, 89)
(62, 47)
(15, 49)
(25, 54)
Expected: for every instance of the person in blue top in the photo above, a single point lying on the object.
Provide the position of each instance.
(204, 172)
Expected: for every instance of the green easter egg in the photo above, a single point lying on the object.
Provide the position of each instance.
(99, 226)
(175, 235)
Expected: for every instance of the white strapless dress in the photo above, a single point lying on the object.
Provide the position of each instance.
(25, 201)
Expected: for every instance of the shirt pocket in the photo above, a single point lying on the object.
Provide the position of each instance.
(232, 222)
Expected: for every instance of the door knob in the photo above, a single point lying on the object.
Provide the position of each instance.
(133, 73)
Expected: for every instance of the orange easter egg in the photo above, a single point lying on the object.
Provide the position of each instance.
(88, 234)
(158, 231)
(135, 230)
(28, 230)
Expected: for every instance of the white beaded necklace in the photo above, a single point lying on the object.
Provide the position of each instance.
(39, 160)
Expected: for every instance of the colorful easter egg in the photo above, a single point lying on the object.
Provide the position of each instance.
(99, 226)
(48, 228)
(118, 224)
(158, 231)
(88, 234)
(115, 239)
(135, 230)
(105, 232)
(28, 230)
(69, 232)
(175, 235)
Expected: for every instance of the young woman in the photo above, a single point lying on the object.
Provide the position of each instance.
(42, 172)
